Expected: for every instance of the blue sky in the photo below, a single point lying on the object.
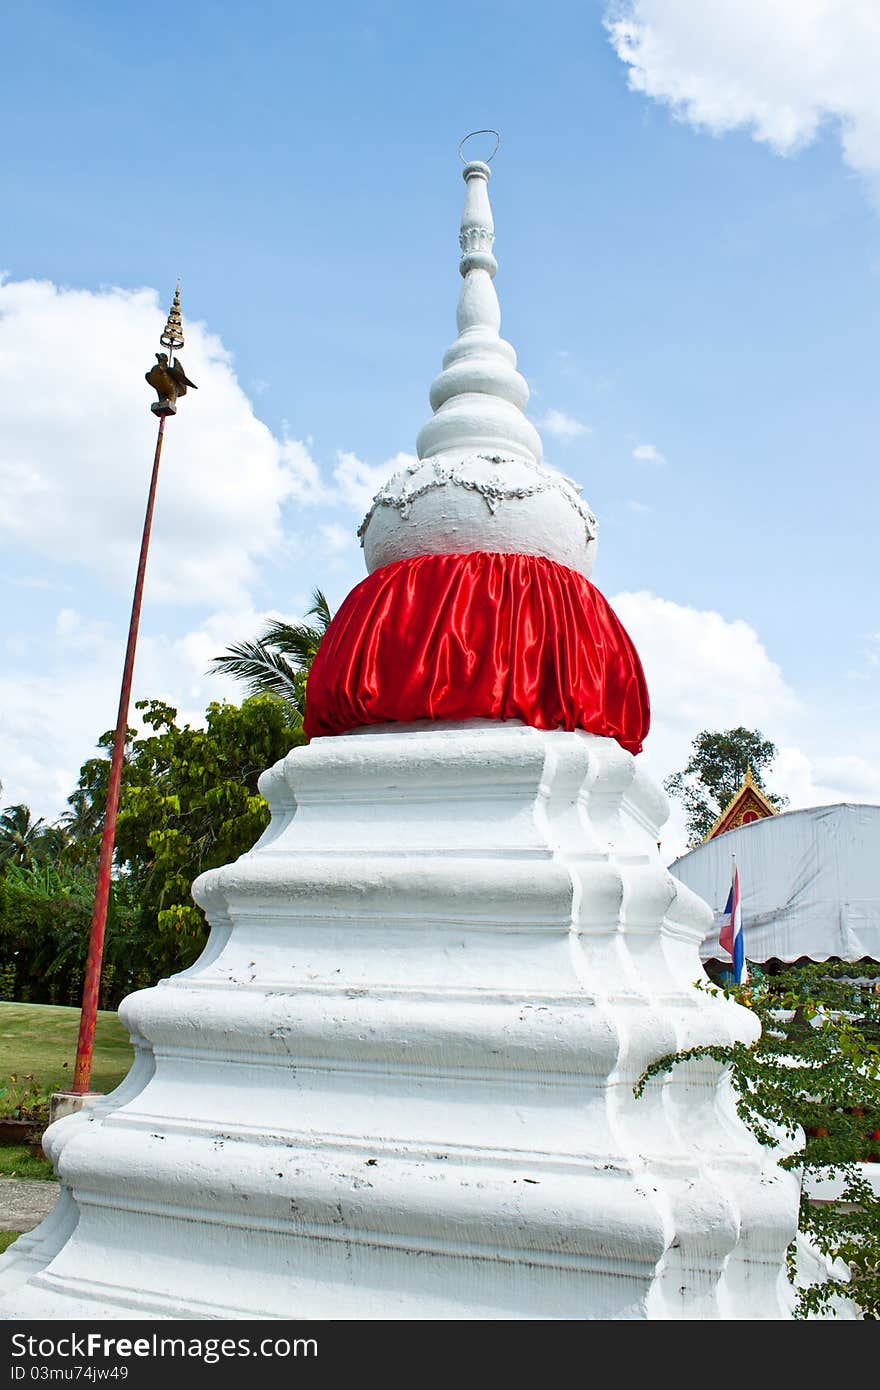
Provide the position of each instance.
(680, 276)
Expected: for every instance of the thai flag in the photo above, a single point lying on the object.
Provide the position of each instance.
(731, 934)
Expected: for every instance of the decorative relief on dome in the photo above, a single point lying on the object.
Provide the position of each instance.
(402, 490)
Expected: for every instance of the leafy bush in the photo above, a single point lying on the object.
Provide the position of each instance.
(815, 1073)
(23, 1099)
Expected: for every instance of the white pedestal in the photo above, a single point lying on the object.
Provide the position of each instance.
(398, 1083)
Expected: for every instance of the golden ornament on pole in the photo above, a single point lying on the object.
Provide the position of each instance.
(167, 378)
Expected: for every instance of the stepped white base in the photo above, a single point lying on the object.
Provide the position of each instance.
(398, 1083)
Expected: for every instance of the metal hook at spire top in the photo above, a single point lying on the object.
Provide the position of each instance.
(489, 131)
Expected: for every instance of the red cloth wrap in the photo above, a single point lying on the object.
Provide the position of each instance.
(479, 636)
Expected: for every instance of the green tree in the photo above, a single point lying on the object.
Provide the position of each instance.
(82, 826)
(814, 1073)
(714, 773)
(278, 661)
(25, 841)
(45, 919)
(189, 802)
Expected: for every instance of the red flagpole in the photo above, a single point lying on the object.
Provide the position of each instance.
(91, 989)
(169, 381)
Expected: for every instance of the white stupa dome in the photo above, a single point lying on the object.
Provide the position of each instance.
(489, 502)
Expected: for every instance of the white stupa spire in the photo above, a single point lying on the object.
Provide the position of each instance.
(479, 482)
(479, 397)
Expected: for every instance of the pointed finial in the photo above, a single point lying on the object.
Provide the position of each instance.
(479, 397)
(172, 337)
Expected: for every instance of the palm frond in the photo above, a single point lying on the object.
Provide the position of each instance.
(320, 609)
(18, 820)
(23, 839)
(264, 670)
(297, 641)
(278, 661)
(83, 819)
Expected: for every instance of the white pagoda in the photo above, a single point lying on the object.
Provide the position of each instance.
(398, 1084)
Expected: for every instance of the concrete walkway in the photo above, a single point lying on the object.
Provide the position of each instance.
(24, 1203)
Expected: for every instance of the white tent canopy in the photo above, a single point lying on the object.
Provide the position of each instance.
(809, 881)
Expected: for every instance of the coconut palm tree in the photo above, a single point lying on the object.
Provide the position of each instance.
(26, 841)
(82, 826)
(278, 661)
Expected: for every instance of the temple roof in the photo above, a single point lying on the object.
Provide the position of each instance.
(749, 804)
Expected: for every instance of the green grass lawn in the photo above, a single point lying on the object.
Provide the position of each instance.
(17, 1161)
(6, 1239)
(39, 1040)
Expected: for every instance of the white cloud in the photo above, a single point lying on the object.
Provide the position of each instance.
(562, 426)
(358, 482)
(339, 551)
(338, 538)
(74, 632)
(705, 671)
(40, 582)
(648, 453)
(303, 474)
(780, 69)
(52, 712)
(850, 773)
(50, 716)
(77, 445)
(640, 508)
(821, 780)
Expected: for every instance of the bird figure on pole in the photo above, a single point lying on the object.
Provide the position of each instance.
(169, 381)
